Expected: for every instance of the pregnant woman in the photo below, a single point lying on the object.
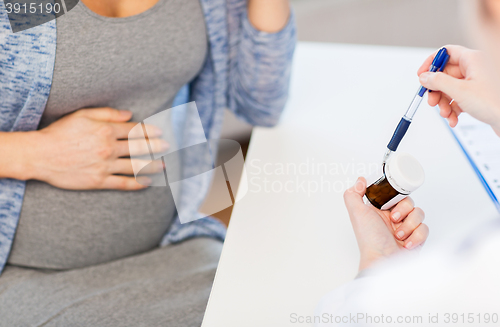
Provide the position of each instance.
(79, 236)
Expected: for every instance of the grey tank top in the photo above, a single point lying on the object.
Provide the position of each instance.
(137, 63)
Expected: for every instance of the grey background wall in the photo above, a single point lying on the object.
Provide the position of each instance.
(419, 23)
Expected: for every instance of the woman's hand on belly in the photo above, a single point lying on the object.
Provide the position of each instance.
(89, 150)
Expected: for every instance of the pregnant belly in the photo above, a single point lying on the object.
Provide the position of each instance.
(61, 229)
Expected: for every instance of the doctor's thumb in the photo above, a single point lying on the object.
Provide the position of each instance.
(453, 87)
(353, 197)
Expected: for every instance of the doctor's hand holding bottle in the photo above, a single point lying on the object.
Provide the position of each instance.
(383, 233)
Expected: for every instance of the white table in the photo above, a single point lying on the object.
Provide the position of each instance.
(285, 249)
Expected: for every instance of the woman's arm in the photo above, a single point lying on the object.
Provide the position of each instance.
(260, 60)
(15, 149)
(86, 150)
(268, 15)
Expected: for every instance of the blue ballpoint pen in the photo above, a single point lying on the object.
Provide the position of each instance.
(438, 64)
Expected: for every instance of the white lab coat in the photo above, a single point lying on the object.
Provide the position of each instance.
(456, 285)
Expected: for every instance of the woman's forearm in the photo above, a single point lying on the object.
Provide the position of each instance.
(14, 154)
(268, 15)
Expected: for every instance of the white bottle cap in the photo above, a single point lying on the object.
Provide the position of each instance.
(404, 173)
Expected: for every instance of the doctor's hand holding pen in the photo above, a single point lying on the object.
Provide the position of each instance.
(467, 84)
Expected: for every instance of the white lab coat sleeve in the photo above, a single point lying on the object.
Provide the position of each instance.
(342, 305)
(422, 291)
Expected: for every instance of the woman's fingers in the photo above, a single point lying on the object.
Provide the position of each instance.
(139, 147)
(105, 114)
(418, 237)
(127, 131)
(114, 182)
(129, 166)
(410, 224)
(402, 209)
(118, 120)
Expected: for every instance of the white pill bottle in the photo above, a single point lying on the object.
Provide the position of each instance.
(402, 174)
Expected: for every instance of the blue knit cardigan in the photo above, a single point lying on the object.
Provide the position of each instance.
(246, 71)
